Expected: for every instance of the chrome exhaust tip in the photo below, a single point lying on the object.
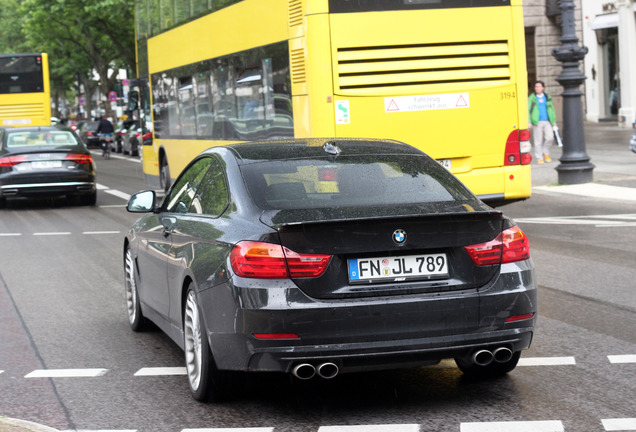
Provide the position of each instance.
(304, 371)
(327, 370)
(502, 355)
(483, 357)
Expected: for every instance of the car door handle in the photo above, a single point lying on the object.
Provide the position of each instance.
(169, 224)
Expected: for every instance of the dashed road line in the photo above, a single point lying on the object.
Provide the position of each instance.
(619, 424)
(372, 428)
(546, 361)
(513, 426)
(627, 358)
(60, 233)
(100, 430)
(100, 232)
(66, 373)
(253, 429)
(158, 371)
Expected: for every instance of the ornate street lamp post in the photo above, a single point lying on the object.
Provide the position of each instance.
(575, 166)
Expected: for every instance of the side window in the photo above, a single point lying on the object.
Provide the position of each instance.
(185, 188)
(213, 196)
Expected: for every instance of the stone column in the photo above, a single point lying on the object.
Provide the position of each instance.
(627, 56)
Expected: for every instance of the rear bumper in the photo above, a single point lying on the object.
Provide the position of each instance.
(45, 189)
(367, 334)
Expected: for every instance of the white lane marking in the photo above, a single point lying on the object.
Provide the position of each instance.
(371, 428)
(115, 156)
(513, 426)
(592, 190)
(256, 429)
(52, 233)
(113, 206)
(66, 373)
(546, 361)
(100, 430)
(10, 234)
(614, 220)
(627, 358)
(157, 371)
(118, 194)
(619, 424)
(101, 232)
(114, 192)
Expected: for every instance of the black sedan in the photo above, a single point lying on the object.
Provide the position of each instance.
(324, 256)
(87, 132)
(45, 161)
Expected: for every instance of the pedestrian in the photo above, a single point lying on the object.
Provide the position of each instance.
(542, 122)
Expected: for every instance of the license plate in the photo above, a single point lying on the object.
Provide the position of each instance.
(46, 164)
(446, 163)
(398, 268)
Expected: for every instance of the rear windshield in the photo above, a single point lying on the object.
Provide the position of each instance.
(21, 74)
(40, 139)
(370, 181)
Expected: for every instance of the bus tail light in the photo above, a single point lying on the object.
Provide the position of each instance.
(518, 148)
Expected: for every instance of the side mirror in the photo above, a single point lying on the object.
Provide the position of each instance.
(141, 202)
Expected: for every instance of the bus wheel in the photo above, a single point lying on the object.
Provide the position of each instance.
(164, 175)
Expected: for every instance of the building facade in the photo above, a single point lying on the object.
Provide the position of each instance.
(609, 32)
(608, 29)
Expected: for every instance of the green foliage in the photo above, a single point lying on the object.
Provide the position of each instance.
(78, 35)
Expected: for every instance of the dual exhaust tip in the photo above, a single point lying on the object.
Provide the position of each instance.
(484, 357)
(305, 371)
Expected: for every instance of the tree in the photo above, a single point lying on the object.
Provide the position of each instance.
(79, 36)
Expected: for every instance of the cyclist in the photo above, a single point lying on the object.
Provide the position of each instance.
(105, 130)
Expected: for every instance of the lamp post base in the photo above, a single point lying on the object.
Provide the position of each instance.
(575, 173)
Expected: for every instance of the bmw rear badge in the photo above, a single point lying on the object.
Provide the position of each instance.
(399, 237)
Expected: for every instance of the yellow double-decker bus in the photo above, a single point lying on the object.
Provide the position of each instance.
(446, 76)
(25, 96)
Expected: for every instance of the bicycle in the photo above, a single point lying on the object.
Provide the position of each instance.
(107, 143)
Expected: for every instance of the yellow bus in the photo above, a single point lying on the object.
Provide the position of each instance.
(25, 96)
(446, 76)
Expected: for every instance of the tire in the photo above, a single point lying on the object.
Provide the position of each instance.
(133, 306)
(492, 370)
(164, 175)
(207, 383)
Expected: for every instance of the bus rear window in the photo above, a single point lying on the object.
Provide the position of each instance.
(21, 74)
(336, 6)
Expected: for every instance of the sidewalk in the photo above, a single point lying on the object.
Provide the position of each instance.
(614, 175)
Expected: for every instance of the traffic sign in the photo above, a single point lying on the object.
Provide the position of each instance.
(112, 96)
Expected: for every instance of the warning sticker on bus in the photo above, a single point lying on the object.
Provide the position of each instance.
(426, 102)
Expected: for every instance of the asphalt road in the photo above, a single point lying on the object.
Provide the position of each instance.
(69, 360)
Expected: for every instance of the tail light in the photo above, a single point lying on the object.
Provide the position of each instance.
(80, 158)
(518, 148)
(509, 246)
(10, 161)
(89, 133)
(270, 261)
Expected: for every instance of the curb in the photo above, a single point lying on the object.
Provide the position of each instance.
(15, 425)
